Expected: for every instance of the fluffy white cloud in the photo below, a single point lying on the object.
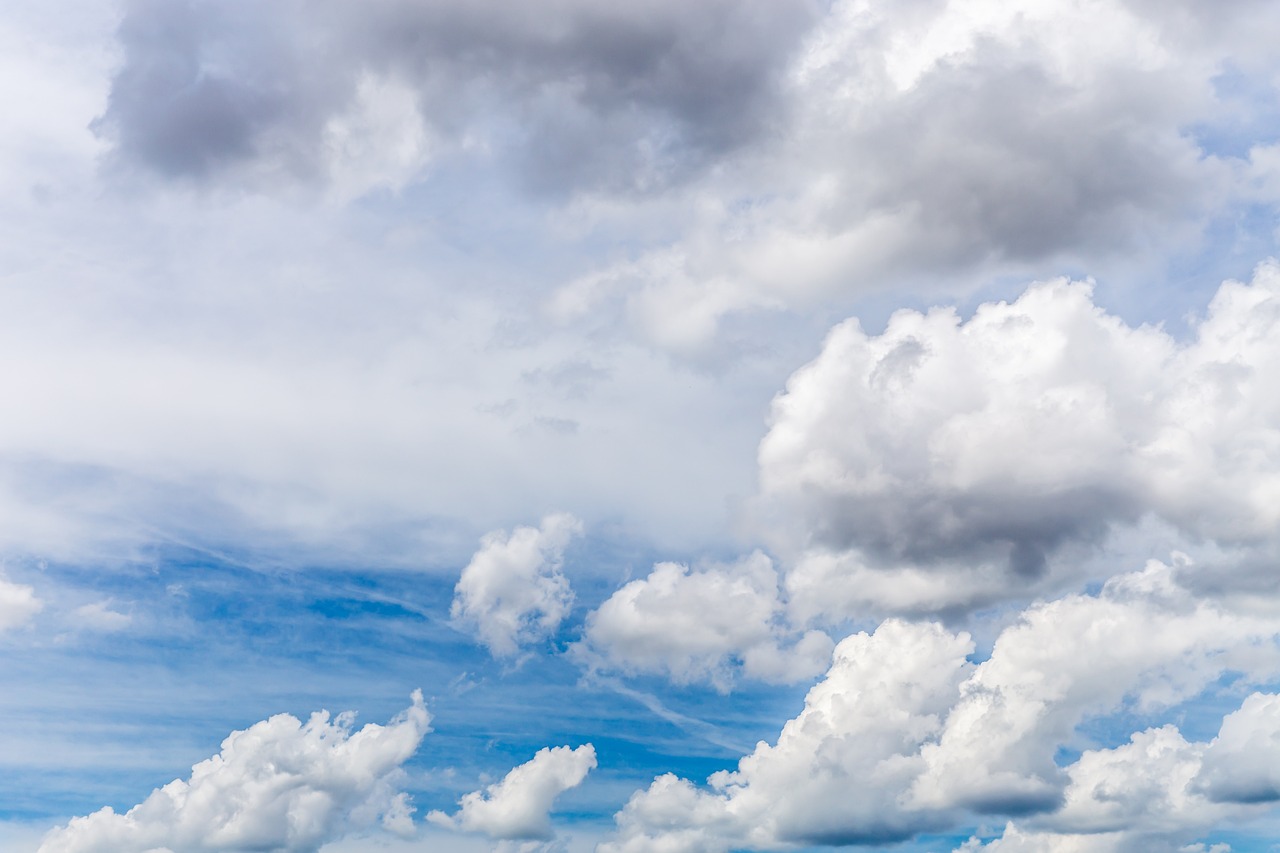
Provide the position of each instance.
(1242, 765)
(518, 807)
(512, 592)
(860, 731)
(280, 785)
(1144, 638)
(704, 624)
(1159, 791)
(906, 734)
(18, 603)
(944, 464)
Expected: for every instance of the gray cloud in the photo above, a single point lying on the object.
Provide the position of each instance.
(956, 459)
(573, 94)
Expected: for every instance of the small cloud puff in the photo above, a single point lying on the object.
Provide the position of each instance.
(703, 625)
(279, 785)
(512, 592)
(517, 808)
(98, 616)
(18, 604)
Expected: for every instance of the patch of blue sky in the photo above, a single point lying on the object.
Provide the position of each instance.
(214, 645)
(1248, 114)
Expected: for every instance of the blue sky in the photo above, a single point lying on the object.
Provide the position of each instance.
(751, 426)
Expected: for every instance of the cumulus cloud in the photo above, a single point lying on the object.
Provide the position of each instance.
(860, 731)
(944, 463)
(1158, 791)
(513, 592)
(906, 734)
(1242, 765)
(18, 604)
(703, 625)
(518, 807)
(1144, 639)
(279, 785)
(931, 140)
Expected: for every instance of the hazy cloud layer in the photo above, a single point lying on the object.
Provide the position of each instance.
(279, 785)
(518, 807)
(944, 463)
(906, 735)
(513, 592)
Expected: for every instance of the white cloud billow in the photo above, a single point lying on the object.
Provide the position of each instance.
(703, 625)
(906, 734)
(280, 785)
(1158, 790)
(512, 592)
(18, 604)
(946, 463)
(519, 806)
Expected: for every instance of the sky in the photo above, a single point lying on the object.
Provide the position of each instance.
(578, 427)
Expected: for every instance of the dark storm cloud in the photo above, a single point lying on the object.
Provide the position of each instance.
(576, 94)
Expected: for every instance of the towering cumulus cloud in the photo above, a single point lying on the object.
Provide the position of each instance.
(513, 592)
(279, 785)
(945, 463)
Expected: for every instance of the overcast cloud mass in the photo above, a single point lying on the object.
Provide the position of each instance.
(738, 425)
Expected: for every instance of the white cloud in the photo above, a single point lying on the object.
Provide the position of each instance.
(907, 735)
(837, 771)
(1159, 791)
(99, 616)
(1242, 765)
(518, 807)
(945, 464)
(512, 592)
(18, 604)
(279, 785)
(703, 625)
(1143, 637)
